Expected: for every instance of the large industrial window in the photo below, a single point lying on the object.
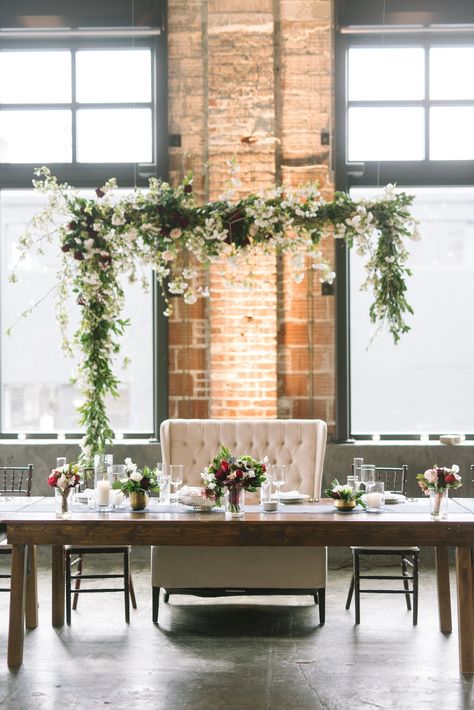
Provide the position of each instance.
(405, 109)
(90, 104)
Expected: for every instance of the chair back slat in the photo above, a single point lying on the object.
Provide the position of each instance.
(16, 480)
(395, 478)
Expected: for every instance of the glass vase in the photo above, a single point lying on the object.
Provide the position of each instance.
(62, 502)
(234, 502)
(439, 504)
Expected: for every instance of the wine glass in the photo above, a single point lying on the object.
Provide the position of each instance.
(176, 477)
(278, 475)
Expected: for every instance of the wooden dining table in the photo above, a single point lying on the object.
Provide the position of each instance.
(26, 528)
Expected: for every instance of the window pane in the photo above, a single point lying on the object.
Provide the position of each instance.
(35, 136)
(35, 391)
(451, 73)
(385, 134)
(426, 382)
(35, 77)
(114, 136)
(378, 74)
(451, 133)
(118, 76)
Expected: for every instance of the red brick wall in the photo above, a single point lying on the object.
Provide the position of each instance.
(251, 80)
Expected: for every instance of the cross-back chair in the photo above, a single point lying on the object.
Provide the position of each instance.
(213, 571)
(14, 481)
(74, 558)
(395, 480)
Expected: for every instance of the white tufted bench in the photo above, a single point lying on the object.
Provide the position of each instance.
(217, 571)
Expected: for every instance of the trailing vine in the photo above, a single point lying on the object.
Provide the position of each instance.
(104, 237)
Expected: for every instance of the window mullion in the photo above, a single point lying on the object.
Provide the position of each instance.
(73, 106)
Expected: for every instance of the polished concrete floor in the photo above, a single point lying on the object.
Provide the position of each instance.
(250, 653)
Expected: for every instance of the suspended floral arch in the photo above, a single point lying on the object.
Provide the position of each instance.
(104, 237)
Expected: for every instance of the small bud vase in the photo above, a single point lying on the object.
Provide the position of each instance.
(138, 500)
(439, 504)
(234, 502)
(62, 502)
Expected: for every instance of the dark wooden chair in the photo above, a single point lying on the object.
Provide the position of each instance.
(74, 558)
(14, 481)
(395, 480)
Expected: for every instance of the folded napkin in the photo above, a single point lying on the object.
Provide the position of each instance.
(290, 494)
(185, 491)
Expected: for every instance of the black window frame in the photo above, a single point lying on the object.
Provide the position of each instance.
(359, 24)
(106, 27)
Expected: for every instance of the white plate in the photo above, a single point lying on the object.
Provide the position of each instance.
(391, 498)
(302, 498)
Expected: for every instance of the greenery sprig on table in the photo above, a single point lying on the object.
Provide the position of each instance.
(102, 238)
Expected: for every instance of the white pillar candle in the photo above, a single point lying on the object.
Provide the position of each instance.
(103, 492)
(374, 500)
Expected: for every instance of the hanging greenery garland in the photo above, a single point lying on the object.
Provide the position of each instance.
(108, 236)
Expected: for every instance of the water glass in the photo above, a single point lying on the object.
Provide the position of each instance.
(356, 466)
(163, 478)
(353, 482)
(367, 475)
(61, 461)
(266, 490)
(176, 476)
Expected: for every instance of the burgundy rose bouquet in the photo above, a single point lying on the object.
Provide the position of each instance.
(64, 477)
(439, 479)
(232, 473)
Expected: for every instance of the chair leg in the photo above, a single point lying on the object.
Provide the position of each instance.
(167, 597)
(77, 584)
(415, 588)
(405, 583)
(322, 605)
(357, 587)
(67, 560)
(132, 593)
(156, 603)
(126, 583)
(350, 593)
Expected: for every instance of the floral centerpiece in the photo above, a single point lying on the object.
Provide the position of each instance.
(64, 479)
(344, 496)
(435, 482)
(230, 475)
(137, 484)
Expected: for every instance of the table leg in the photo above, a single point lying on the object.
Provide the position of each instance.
(57, 585)
(31, 611)
(16, 631)
(444, 594)
(464, 579)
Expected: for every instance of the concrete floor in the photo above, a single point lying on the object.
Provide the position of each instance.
(255, 653)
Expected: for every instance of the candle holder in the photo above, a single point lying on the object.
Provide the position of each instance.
(375, 496)
(103, 483)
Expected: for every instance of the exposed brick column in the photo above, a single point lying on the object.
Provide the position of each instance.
(306, 376)
(241, 110)
(251, 79)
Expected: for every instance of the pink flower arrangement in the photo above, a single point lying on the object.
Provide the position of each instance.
(66, 476)
(439, 479)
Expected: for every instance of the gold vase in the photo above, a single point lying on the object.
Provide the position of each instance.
(344, 504)
(138, 500)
